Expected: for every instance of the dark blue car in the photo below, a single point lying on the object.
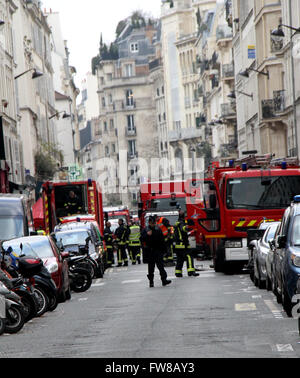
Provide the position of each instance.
(286, 261)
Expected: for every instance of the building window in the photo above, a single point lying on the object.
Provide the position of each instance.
(128, 70)
(106, 151)
(134, 47)
(132, 147)
(105, 126)
(129, 98)
(111, 124)
(130, 123)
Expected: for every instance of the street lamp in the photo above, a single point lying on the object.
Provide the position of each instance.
(35, 74)
(233, 96)
(246, 72)
(279, 33)
(58, 113)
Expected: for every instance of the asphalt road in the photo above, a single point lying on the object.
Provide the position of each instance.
(214, 315)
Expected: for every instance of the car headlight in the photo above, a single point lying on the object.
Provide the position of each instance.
(296, 260)
(52, 268)
(233, 244)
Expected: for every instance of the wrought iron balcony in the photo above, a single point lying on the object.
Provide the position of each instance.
(130, 132)
(273, 107)
(228, 111)
(228, 71)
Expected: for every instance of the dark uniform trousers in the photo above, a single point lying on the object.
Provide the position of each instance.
(155, 258)
(110, 259)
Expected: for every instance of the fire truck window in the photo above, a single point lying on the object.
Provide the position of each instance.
(257, 193)
(62, 198)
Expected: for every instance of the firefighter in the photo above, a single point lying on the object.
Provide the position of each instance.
(134, 243)
(182, 248)
(122, 233)
(73, 205)
(154, 249)
(108, 238)
(166, 229)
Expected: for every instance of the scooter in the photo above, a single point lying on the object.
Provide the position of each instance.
(14, 311)
(80, 277)
(37, 278)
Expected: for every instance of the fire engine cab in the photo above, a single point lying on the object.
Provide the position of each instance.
(237, 198)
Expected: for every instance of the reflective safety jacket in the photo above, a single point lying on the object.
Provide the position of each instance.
(134, 237)
(181, 237)
(108, 237)
(122, 234)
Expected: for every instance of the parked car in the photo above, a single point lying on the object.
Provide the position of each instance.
(270, 258)
(253, 237)
(286, 260)
(82, 240)
(47, 250)
(260, 253)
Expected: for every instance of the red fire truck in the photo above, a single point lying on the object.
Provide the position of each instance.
(55, 195)
(239, 198)
(162, 197)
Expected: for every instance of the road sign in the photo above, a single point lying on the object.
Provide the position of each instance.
(75, 173)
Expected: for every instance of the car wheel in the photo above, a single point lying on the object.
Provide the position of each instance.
(260, 282)
(286, 302)
(268, 283)
(68, 293)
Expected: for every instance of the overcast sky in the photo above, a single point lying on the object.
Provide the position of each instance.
(83, 21)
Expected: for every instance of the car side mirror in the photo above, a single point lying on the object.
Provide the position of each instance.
(281, 241)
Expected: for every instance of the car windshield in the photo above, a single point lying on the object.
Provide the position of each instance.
(41, 246)
(11, 227)
(19, 248)
(269, 192)
(167, 204)
(72, 237)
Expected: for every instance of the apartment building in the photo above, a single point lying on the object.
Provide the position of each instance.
(260, 78)
(180, 30)
(34, 82)
(288, 49)
(66, 93)
(127, 122)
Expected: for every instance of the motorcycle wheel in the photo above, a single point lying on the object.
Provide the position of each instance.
(2, 326)
(42, 299)
(30, 308)
(81, 281)
(53, 302)
(15, 320)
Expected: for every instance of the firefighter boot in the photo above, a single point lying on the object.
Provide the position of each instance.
(193, 274)
(166, 282)
(151, 280)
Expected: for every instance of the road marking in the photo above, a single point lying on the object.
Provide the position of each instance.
(130, 281)
(82, 299)
(245, 307)
(99, 284)
(284, 348)
(274, 309)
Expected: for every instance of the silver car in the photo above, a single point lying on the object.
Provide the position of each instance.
(261, 251)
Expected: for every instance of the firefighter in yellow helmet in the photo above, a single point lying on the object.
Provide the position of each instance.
(182, 247)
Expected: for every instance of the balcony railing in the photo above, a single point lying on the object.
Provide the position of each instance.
(223, 32)
(273, 107)
(228, 71)
(228, 111)
(130, 132)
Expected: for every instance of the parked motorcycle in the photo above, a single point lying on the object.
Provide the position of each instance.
(14, 310)
(36, 276)
(80, 277)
